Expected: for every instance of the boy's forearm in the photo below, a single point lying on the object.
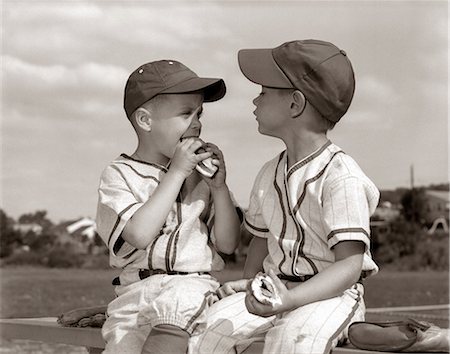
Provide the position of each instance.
(329, 283)
(150, 217)
(226, 221)
(256, 253)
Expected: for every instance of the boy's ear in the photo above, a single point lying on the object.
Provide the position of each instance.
(298, 103)
(143, 119)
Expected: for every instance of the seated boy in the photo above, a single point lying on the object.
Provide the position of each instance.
(309, 211)
(162, 221)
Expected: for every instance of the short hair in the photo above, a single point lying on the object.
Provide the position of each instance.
(325, 124)
(149, 105)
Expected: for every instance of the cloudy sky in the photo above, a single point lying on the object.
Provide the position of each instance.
(64, 65)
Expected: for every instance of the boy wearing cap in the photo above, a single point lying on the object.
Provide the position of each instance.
(164, 223)
(309, 211)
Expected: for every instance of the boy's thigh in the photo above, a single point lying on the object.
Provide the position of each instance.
(227, 323)
(121, 330)
(182, 301)
(323, 322)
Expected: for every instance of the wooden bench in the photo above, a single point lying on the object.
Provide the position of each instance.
(47, 330)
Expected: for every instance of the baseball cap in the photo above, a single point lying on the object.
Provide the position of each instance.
(167, 76)
(320, 70)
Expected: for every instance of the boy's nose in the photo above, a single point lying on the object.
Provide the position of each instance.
(195, 124)
(194, 128)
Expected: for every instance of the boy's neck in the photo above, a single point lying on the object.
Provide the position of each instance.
(302, 146)
(147, 155)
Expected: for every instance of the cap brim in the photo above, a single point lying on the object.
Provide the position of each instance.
(258, 66)
(213, 89)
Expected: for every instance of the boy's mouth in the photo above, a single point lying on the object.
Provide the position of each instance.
(189, 136)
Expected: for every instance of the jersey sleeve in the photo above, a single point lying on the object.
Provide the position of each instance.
(116, 205)
(347, 206)
(253, 220)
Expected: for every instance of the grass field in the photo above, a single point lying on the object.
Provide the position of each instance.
(43, 292)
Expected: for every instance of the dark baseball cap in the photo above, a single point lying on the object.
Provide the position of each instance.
(167, 76)
(320, 70)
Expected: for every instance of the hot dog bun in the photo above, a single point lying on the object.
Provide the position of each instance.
(264, 290)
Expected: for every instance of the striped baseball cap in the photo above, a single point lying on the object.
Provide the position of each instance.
(167, 76)
(320, 70)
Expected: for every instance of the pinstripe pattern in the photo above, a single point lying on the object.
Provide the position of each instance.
(140, 174)
(344, 324)
(201, 309)
(348, 230)
(283, 211)
(155, 165)
(299, 242)
(124, 186)
(332, 201)
(254, 227)
(118, 220)
(302, 163)
(311, 180)
(308, 329)
(326, 191)
(175, 232)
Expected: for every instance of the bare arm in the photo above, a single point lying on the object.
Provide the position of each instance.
(335, 279)
(257, 252)
(150, 217)
(226, 219)
(328, 283)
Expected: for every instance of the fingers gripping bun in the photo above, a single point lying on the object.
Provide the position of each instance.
(206, 166)
(264, 290)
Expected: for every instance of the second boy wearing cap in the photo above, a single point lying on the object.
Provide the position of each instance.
(164, 223)
(309, 211)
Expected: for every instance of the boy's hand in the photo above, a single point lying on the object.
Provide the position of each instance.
(185, 159)
(218, 180)
(267, 310)
(232, 287)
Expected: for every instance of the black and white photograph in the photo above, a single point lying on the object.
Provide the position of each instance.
(224, 176)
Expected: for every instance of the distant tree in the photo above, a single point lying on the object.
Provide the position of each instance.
(9, 238)
(38, 217)
(439, 187)
(400, 241)
(414, 205)
(392, 196)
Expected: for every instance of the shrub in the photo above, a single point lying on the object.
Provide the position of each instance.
(59, 256)
(400, 241)
(99, 261)
(413, 249)
(26, 258)
(63, 257)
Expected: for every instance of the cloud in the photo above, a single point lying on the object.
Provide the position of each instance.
(373, 102)
(70, 32)
(58, 90)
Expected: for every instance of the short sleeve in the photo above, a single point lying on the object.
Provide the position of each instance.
(347, 206)
(253, 220)
(116, 205)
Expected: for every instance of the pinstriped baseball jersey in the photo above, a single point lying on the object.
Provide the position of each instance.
(183, 244)
(305, 211)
